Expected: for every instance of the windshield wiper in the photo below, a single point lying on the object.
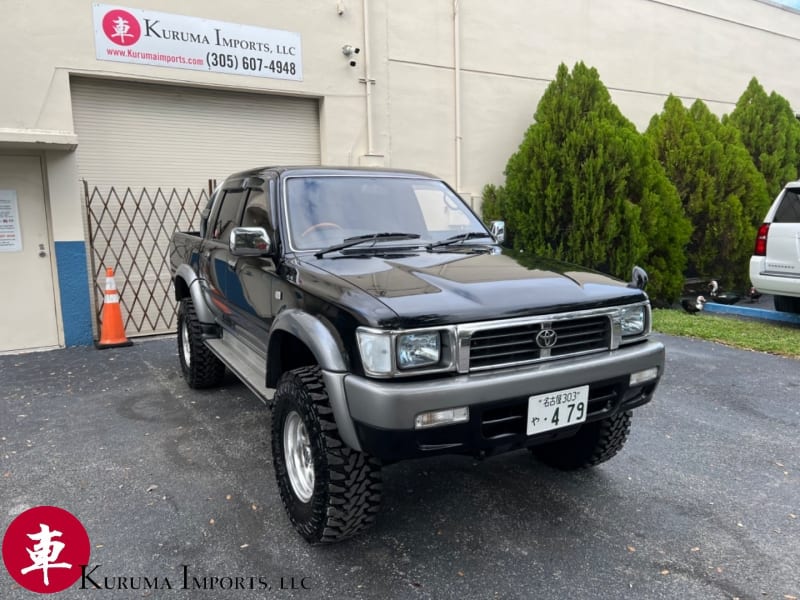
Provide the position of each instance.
(370, 237)
(459, 239)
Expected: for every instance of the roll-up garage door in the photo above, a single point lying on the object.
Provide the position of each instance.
(146, 153)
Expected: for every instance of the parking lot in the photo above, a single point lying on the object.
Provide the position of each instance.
(170, 483)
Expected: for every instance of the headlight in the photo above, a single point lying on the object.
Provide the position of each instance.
(418, 350)
(376, 351)
(632, 320)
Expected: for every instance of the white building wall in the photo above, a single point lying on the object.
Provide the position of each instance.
(643, 49)
(509, 52)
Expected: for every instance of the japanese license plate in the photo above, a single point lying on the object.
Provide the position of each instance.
(557, 409)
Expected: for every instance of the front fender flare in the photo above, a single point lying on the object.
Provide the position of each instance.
(329, 351)
(324, 343)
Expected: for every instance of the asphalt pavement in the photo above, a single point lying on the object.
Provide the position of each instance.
(177, 485)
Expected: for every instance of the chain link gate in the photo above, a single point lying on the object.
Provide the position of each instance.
(130, 231)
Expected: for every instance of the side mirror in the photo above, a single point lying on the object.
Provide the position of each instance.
(250, 241)
(498, 229)
(639, 278)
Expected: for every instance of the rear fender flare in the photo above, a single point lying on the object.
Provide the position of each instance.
(192, 283)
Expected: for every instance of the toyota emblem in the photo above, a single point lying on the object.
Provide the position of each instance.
(546, 338)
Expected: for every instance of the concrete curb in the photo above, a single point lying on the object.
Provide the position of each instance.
(752, 313)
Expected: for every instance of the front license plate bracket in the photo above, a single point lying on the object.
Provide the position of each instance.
(554, 410)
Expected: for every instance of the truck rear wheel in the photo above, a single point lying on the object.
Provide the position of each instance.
(200, 368)
(594, 443)
(330, 491)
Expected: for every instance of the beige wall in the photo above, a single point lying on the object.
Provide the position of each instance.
(644, 49)
(510, 50)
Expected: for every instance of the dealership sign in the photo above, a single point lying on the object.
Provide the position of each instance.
(159, 39)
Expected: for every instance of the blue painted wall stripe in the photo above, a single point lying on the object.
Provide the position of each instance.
(73, 281)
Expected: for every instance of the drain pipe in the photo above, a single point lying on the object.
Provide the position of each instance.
(368, 81)
(457, 86)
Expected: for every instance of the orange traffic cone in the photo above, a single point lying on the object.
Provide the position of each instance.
(112, 331)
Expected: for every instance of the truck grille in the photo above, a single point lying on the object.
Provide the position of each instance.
(515, 345)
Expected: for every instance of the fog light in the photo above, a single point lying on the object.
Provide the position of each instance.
(441, 417)
(641, 377)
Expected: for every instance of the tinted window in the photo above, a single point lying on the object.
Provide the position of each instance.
(256, 212)
(228, 216)
(789, 210)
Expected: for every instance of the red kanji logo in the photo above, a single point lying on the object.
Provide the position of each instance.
(44, 549)
(121, 27)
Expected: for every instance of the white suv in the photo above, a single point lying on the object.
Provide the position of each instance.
(775, 264)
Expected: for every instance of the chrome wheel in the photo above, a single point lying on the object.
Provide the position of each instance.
(297, 454)
(186, 347)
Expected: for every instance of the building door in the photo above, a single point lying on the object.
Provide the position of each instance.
(27, 304)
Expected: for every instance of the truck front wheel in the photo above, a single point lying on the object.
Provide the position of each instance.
(594, 443)
(330, 491)
(200, 368)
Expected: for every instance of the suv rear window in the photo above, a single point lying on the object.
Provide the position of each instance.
(789, 210)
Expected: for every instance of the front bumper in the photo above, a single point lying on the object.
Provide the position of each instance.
(383, 412)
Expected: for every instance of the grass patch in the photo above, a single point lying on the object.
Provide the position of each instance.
(783, 340)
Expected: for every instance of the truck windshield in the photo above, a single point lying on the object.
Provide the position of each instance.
(325, 210)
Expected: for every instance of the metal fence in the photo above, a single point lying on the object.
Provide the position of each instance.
(130, 231)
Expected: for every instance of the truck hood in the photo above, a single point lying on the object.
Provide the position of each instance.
(439, 288)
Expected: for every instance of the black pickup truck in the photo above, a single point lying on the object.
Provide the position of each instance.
(381, 320)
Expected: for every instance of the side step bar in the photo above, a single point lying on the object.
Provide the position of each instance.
(247, 365)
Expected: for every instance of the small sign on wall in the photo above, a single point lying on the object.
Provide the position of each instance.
(159, 39)
(10, 234)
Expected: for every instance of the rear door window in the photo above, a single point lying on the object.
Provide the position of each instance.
(789, 209)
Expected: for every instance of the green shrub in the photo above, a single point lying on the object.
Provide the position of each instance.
(771, 134)
(492, 208)
(585, 187)
(720, 189)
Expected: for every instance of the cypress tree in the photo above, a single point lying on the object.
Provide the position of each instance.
(492, 207)
(771, 134)
(721, 191)
(585, 187)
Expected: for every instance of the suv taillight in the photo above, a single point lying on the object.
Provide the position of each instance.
(761, 240)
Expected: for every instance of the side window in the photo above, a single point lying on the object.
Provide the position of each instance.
(256, 212)
(228, 215)
(205, 215)
(789, 210)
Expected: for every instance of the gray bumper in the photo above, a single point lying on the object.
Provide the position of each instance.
(393, 405)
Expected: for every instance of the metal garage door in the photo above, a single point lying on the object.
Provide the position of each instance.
(146, 153)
